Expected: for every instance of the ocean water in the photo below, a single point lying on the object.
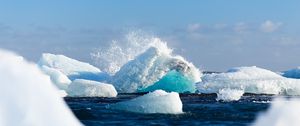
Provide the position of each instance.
(200, 109)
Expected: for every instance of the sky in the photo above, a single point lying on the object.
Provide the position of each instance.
(213, 34)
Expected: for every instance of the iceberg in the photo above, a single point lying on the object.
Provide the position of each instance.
(283, 112)
(72, 68)
(88, 88)
(28, 98)
(158, 101)
(154, 69)
(250, 80)
(57, 77)
(229, 95)
(293, 73)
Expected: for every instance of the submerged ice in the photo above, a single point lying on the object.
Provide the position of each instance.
(158, 101)
(250, 80)
(154, 69)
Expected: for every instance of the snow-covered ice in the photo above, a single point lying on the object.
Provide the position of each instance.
(158, 101)
(88, 88)
(72, 68)
(154, 69)
(250, 80)
(283, 112)
(293, 73)
(28, 97)
(229, 94)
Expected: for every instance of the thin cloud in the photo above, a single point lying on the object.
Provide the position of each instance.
(269, 26)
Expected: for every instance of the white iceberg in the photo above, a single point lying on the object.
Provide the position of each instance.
(156, 69)
(250, 80)
(283, 112)
(72, 68)
(57, 77)
(293, 73)
(28, 97)
(229, 95)
(87, 88)
(158, 101)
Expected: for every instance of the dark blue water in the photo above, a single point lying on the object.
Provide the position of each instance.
(199, 109)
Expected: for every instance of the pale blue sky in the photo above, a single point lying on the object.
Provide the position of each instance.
(213, 34)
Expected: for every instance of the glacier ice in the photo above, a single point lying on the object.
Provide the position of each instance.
(250, 80)
(88, 88)
(72, 68)
(57, 77)
(158, 101)
(154, 69)
(229, 95)
(28, 97)
(293, 73)
(283, 112)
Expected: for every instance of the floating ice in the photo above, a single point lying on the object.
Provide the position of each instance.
(282, 112)
(72, 68)
(28, 97)
(57, 77)
(229, 94)
(157, 69)
(158, 101)
(250, 80)
(293, 73)
(87, 88)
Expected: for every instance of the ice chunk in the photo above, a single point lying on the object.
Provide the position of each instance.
(293, 73)
(87, 88)
(28, 98)
(157, 69)
(250, 80)
(282, 112)
(158, 101)
(72, 68)
(229, 95)
(57, 77)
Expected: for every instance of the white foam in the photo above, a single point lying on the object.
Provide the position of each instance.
(158, 101)
(87, 88)
(229, 94)
(250, 80)
(28, 97)
(283, 112)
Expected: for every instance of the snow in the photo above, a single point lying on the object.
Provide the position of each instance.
(72, 68)
(250, 80)
(293, 73)
(283, 112)
(229, 95)
(28, 96)
(57, 77)
(154, 69)
(87, 88)
(158, 101)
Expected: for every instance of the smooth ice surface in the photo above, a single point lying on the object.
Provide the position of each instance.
(158, 101)
(156, 69)
(57, 77)
(72, 68)
(283, 112)
(229, 95)
(87, 88)
(250, 80)
(28, 98)
(293, 73)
